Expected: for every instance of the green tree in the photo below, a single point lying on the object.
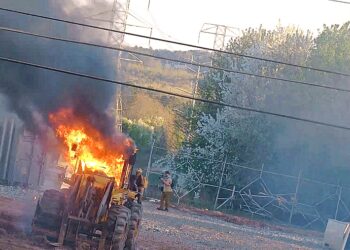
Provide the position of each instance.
(245, 137)
(143, 131)
(332, 48)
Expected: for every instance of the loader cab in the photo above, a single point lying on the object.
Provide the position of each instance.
(127, 171)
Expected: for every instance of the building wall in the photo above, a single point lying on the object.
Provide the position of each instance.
(23, 161)
(8, 139)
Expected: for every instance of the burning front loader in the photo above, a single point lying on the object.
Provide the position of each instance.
(96, 210)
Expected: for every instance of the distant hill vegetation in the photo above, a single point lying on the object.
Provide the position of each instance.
(142, 106)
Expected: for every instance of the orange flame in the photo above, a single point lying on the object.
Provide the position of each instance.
(85, 145)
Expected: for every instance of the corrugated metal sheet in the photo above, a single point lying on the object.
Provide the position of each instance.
(23, 159)
(7, 148)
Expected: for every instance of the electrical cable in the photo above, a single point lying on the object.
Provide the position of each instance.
(174, 60)
(177, 43)
(173, 94)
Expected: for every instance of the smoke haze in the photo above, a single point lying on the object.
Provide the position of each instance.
(30, 90)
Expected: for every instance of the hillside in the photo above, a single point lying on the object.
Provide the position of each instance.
(159, 74)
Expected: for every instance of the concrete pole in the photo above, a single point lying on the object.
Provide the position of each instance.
(4, 128)
(149, 162)
(150, 159)
(30, 160)
(42, 164)
(9, 145)
(221, 178)
(295, 197)
(339, 199)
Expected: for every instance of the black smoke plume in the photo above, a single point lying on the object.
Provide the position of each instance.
(32, 91)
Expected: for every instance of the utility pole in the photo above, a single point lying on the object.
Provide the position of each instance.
(220, 33)
(194, 84)
(119, 17)
(220, 183)
(194, 90)
(295, 198)
(118, 21)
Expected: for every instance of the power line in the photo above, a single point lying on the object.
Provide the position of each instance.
(177, 43)
(338, 1)
(174, 60)
(173, 94)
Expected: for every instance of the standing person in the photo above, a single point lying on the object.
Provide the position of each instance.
(137, 184)
(167, 192)
(140, 184)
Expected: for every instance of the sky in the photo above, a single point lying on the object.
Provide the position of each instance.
(182, 20)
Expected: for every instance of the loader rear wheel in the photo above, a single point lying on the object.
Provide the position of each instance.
(49, 210)
(118, 218)
(134, 226)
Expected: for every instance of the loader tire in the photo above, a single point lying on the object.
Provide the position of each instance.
(134, 226)
(118, 218)
(49, 210)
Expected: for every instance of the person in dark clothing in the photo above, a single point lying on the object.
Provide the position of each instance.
(140, 184)
(137, 184)
(132, 183)
(140, 181)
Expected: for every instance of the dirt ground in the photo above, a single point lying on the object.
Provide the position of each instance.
(186, 229)
(176, 229)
